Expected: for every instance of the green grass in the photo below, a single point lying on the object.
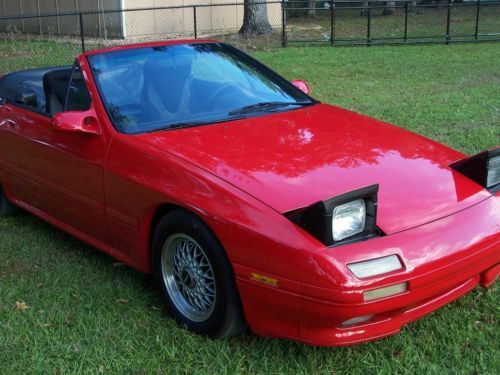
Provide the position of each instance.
(26, 54)
(75, 322)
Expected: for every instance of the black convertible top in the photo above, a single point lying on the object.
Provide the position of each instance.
(13, 84)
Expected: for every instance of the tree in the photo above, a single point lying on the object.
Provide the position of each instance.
(390, 8)
(364, 9)
(412, 5)
(311, 12)
(255, 20)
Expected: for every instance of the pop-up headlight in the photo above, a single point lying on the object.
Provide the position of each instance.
(483, 168)
(346, 218)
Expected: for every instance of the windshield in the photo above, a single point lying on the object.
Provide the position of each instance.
(152, 88)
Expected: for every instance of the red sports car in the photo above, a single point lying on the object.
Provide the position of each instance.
(251, 202)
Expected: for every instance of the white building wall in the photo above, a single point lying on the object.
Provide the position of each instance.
(131, 23)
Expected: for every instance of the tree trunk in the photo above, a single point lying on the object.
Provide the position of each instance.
(412, 5)
(311, 12)
(364, 10)
(390, 8)
(255, 21)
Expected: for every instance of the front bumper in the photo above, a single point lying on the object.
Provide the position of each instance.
(388, 318)
(443, 260)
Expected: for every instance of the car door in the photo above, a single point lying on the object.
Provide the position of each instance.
(8, 140)
(60, 174)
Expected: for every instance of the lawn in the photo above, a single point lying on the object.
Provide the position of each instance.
(65, 307)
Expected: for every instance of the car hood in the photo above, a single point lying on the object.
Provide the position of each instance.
(293, 159)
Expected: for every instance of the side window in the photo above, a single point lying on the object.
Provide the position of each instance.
(78, 98)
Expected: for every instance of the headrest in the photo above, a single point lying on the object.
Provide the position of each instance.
(57, 76)
(123, 83)
(174, 62)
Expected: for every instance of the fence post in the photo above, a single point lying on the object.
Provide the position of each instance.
(58, 19)
(283, 24)
(369, 26)
(448, 21)
(332, 20)
(5, 15)
(22, 13)
(195, 20)
(82, 36)
(477, 19)
(39, 18)
(406, 19)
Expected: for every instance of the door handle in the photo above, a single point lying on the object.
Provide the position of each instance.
(10, 124)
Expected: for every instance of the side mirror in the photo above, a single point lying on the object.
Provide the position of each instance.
(27, 98)
(76, 122)
(302, 86)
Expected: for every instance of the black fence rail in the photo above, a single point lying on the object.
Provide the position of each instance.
(40, 39)
(390, 22)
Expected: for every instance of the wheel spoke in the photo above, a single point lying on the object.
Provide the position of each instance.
(206, 298)
(208, 277)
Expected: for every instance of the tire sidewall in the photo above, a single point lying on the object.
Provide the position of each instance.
(183, 222)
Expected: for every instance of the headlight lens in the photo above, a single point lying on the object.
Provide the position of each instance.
(387, 291)
(493, 171)
(375, 267)
(348, 219)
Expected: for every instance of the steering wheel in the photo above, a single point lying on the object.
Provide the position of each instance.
(218, 94)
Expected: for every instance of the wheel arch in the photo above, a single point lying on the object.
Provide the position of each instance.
(159, 213)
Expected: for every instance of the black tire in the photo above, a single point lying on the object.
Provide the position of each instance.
(225, 317)
(6, 208)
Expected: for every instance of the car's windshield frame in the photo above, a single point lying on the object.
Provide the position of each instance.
(260, 110)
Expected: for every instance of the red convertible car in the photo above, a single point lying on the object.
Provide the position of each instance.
(252, 203)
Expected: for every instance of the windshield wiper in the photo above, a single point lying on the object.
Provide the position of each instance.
(178, 125)
(265, 106)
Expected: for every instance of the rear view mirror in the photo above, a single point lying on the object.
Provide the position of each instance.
(76, 122)
(27, 98)
(302, 86)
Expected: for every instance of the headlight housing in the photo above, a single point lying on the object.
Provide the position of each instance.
(483, 168)
(346, 218)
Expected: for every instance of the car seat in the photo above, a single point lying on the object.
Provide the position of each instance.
(55, 85)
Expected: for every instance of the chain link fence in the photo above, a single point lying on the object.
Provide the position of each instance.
(390, 22)
(32, 40)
